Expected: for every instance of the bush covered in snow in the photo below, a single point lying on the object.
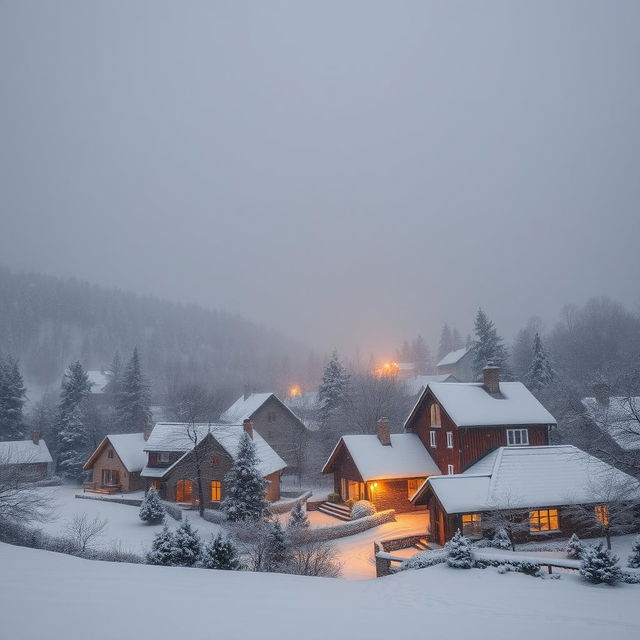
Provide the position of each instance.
(298, 520)
(634, 558)
(173, 510)
(362, 509)
(151, 509)
(162, 548)
(425, 559)
(600, 565)
(219, 553)
(575, 548)
(215, 515)
(186, 546)
(458, 551)
(500, 540)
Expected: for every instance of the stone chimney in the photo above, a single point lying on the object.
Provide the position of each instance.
(491, 378)
(35, 437)
(383, 432)
(146, 432)
(247, 425)
(601, 393)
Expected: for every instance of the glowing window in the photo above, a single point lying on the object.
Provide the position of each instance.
(215, 491)
(433, 439)
(449, 439)
(471, 524)
(435, 414)
(602, 514)
(543, 520)
(413, 484)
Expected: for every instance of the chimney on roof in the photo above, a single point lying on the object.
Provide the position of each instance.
(383, 432)
(35, 437)
(491, 378)
(247, 425)
(601, 393)
(146, 432)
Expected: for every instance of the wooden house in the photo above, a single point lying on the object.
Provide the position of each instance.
(458, 363)
(25, 460)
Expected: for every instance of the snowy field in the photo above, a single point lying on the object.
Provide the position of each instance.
(76, 599)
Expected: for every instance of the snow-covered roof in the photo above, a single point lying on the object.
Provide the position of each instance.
(418, 383)
(620, 419)
(130, 449)
(174, 437)
(24, 452)
(243, 408)
(99, 380)
(453, 357)
(406, 457)
(527, 477)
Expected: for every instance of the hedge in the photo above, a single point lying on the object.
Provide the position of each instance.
(352, 527)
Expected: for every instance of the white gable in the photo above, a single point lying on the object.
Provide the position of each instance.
(24, 452)
(243, 408)
(453, 357)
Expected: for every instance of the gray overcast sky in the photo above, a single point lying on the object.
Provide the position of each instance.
(351, 173)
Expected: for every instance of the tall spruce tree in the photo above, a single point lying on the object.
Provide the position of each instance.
(245, 486)
(132, 402)
(277, 549)
(333, 393)
(446, 342)
(73, 444)
(540, 372)
(114, 385)
(488, 346)
(421, 356)
(12, 398)
(73, 397)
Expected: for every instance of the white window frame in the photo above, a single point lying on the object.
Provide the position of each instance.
(450, 470)
(433, 439)
(449, 439)
(513, 435)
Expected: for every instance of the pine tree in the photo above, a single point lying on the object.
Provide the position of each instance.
(575, 548)
(186, 546)
(501, 540)
(458, 551)
(132, 402)
(540, 372)
(634, 558)
(446, 342)
(73, 445)
(220, 553)
(245, 485)
(151, 509)
(73, 396)
(600, 565)
(162, 548)
(298, 519)
(333, 393)
(12, 398)
(277, 550)
(114, 386)
(488, 346)
(421, 356)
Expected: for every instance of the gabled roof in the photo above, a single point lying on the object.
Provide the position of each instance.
(24, 452)
(129, 447)
(418, 383)
(406, 457)
(244, 408)
(620, 419)
(453, 357)
(174, 437)
(529, 477)
(469, 404)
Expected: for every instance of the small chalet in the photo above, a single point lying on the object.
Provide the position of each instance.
(458, 363)
(116, 464)
(385, 469)
(536, 485)
(177, 450)
(275, 422)
(26, 460)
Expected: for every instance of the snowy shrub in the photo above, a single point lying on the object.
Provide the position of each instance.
(277, 549)
(173, 510)
(631, 577)
(575, 548)
(220, 553)
(424, 559)
(186, 546)
(600, 565)
(362, 509)
(298, 520)
(458, 551)
(162, 548)
(151, 509)
(634, 558)
(312, 558)
(352, 527)
(214, 515)
(500, 540)
(334, 498)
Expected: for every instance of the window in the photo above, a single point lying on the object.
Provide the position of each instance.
(215, 459)
(215, 491)
(435, 414)
(472, 524)
(450, 469)
(110, 477)
(110, 453)
(543, 520)
(156, 484)
(413, 484)
(602, 514)
(517, 437)
(432, 439)
(184, 490)
(449, 439)
(163, 456)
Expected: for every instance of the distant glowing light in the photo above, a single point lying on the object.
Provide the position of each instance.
(295, 391)
(387, 370)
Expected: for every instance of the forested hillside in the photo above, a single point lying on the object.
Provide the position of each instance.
(47, 322)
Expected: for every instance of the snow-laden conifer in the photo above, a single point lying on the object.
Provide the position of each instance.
(488, 346)
(540, 372)
(500, 540)
(132, 400)
(72, 444)
(298, 518)
(73, 396)
(277, 549)
(458, 551)
(13, 395)
(162, 548)
(634, 558)
(151, 509)
(600, 565)
(186, 546)
(220, 553)
(575, 548)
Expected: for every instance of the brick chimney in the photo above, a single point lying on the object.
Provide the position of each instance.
(601, 393)
(35, 437)
(146, 432)
(491, 378)
(383, 432)
(247, 425)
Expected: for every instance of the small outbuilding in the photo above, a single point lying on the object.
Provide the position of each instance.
(28, 460)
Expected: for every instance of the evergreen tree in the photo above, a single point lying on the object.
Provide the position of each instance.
(600, 565)
(501, 540)
(333, 393)
(634, 558)
(488, 346)
(151, 509)
(540, 372)
(456, 340)
(277, 550)
(114, 386)
(12, 398)
(186, 546)
(298, 519)
(220, 553)
(458, 551)
(162, 548)
(132, 402)
(73, 444)
(575, 548)
(421, 356)
(446, 342)
(245, 485)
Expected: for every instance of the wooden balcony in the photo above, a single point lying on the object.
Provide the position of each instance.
(96, 487)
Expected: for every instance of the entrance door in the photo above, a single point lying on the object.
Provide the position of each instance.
(354, 491)
(184, 489)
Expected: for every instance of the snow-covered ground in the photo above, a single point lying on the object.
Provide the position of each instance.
(49, 595)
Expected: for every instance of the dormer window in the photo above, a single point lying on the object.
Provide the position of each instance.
(435, 415)
(163, 456)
